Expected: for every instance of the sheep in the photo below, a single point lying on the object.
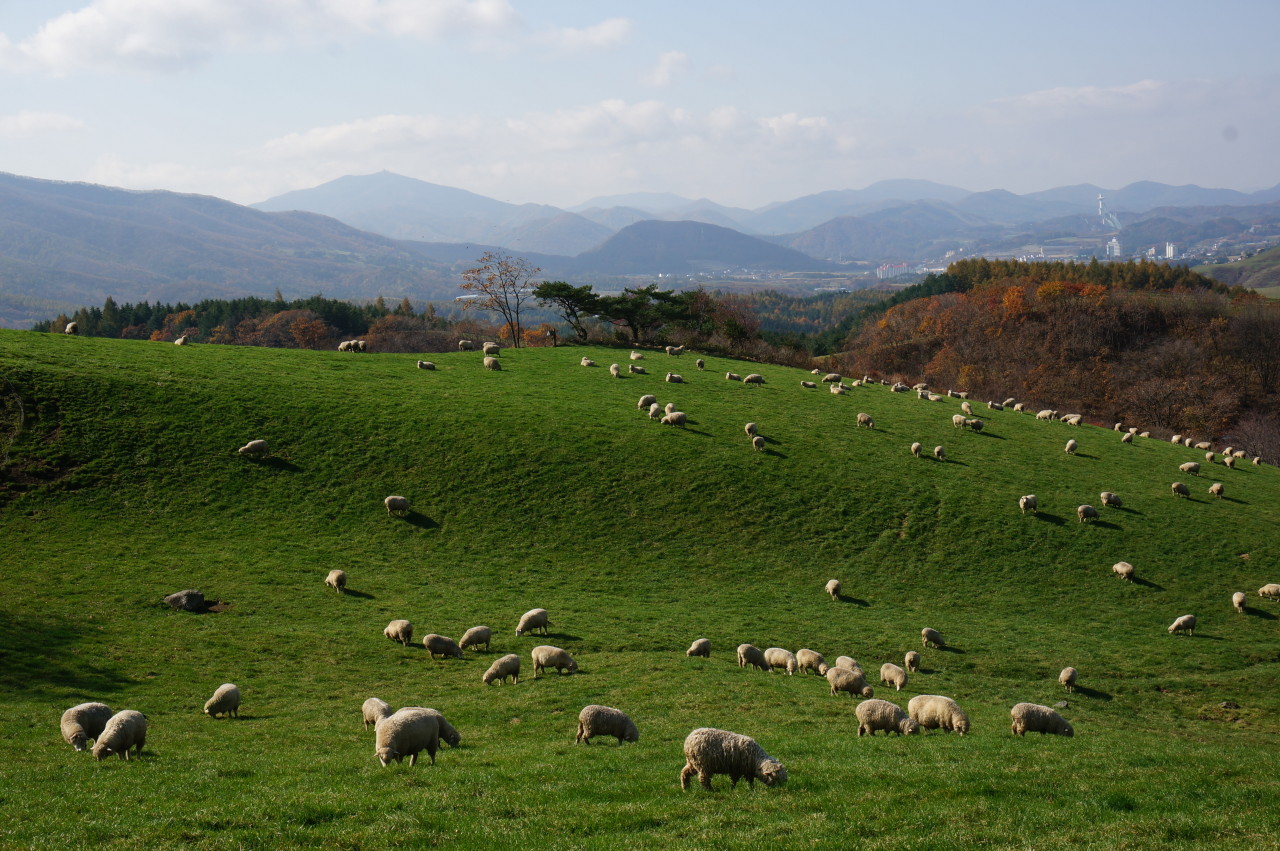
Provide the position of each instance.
(934, 397)
(777, 657)
(181, 341)
(1117, 426)
(532, 621)
(1230, 463)
(1238, 454)
(1144, 434)
(126, 729)
(1176, 439)
(597, 720)
(751, 429)
(83, 723)
(751, 656)
(503, 667)
(865, 420)
(809, 385)
(939, 453)
(915, 449)
(1110, 499)
(732, 376)
(72, 328)
(406, 733)
(1071, 448)
(995, 406)
(347, 346)
(838, 390)
(899, 388)
(754, 378)
(1046, 414)
(466, 346)
(1008, 402)
(655, 411)
(877, 714)
(361, 345)
(811, 660)
(967, 409)
(1257, 460)
(426, 364)
(892, 674)
(669, 407)
(957, 420)
(448, 733)
(1237, 601)
(1086, 512)
(708, 752)
(1188, 441)
(1185, 624)
(636, 370)
(831, 378)
(921, 386)
(1127, 438)
(1226, 451)
(1190, 467)
(493, 364)
(850, 681)
(1179, 489)
(1018, 407)
(833, 589)
(700, 363)
(758, 443)
(675, 418)
(974, 425)
(490, 349)
(700, 647)
(1067, 679)
(190, 600)
(1208, 457)
(931, 636)
(1124, 570)
(1073, 420)
(646, 400)
(936, 712)
(1204, 444)
(254, 448)
(1270, 591)
(848, 663)
(637, 355)
(547, 656)
(1028, 503)
(675, 351)
(337, 580)
(374, 710)
(397, 505)
(476, 636)
(1216, 489)
(399, 630)
(1034, 718)
(911, 661)
(225, 701)
(586, 362)
(439, 645)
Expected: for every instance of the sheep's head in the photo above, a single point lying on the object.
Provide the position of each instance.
(908, 726)
(960, 723)
(631, 734)
(79, 741)
(1067, 729)
(867, 691)
(386, 755)
(771, 773)
(101, 751)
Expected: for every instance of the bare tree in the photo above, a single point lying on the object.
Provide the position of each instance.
(502, 285)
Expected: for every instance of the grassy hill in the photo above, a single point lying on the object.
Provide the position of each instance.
(542, 485)
(1260, 272)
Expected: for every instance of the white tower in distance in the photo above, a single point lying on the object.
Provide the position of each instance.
(1108, 218)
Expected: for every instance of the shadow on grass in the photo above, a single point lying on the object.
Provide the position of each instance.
(1085, 455)
(989, 434)
(359, 595)
(1147, 583)
(950, 649)
(39, 655)
(422, 521)
(1049, 518)
(1236, 501)
(1129, 510)
(1102, 524)
(280, 464)
(1092, 693)
(953, 461)
(773, 453)
(563, 636)
(1259, 613)
(854, 601)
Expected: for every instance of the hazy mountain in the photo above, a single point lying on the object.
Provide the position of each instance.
(616, 218)
(654, 247)
(652, 203)
(915, 231)
(812, 210)
(1004, 207)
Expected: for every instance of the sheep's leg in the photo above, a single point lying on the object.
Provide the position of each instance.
(704, 777)
(413, 759)
(685, 774)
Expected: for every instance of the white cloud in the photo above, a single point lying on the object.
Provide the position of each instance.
(604, 34)
(671, 66)
(366, 135)
(27, 123)
(1067, 102)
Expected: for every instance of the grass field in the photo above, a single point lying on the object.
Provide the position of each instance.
(543, 486)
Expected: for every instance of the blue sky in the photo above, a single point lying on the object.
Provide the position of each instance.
(557, 102)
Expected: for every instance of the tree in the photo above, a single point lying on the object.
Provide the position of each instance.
(574, 304)
(643, 310)
(501, 283)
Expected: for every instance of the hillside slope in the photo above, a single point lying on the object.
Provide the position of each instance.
(543, 485)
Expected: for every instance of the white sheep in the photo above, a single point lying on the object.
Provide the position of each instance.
(181, 341)
(1018, 407)
(751, 656)
(1111, 499)
(83, 723)
(915, 449)
(637, 355)
(399, 630)
(957, 420)
(374, 710)
(254, 448)
(864, 420)
(1124, 570)
(1237, 601)
(751, 429)
(929, 636)
(397, 505)
(936, 712)
(995, 406)
(778, 657)
(974, 425)
(1230, 463)
(893, 675)
(708, 752)
(337, 580)
(853, 682)
(1034, 718)
(1046, 414)
(1086, 512)
(407, 732)
(655, 411)
(1185, 624)
(939, 453)
(676, 418)
(1208, 457)
(811, 660)
(848, 663)
(1072, 446)
(466, 345)
(646, 400)
(597, 720)
(754, 378)
(1028, 503)
(476, 636)
(1204, 444)
(426, 364)
(833, 589)
(586, 362)
(225, 701)
(1067, 678)
(758, 443)
(911, 661)
(669, 407)
(493, 364)
(1216, 489)
(636, 370)
(831, 378)
(675, 351)
(1144, 434)
(808, 385)
(700, 647)
(732, 376)
(967, 409)
(448, 734)
(72, 328)
(490, 349)
(876, 714)
(1179, 489)
(532, 621)
(547, 656)
(1270, 591)
(1190, 467)
(126, 729)
(503, 667)
(1126, 438)
(838, 390)
(700, 363)
(442, 646)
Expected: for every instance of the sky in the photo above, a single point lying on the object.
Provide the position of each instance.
(744, 102)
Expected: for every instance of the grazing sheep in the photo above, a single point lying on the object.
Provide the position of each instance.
(1028, 503)
(1257, 460)
(399, 630)
(490, 349)
(337, 580)
(1177, 438)
(1204, 444)
(974, 425)
(935, 397)
(865, 420)
(732, 376)
(1046, 414)
(1144, 434)
(811, 660)
(225, 701)
(1190, 467)
(931, 636)
(831, 378)
(892, 674)
(254, 448)
(493, 364)
(448, 733)
(406, 733)
(84, 722)
(439, 645)
(675, 351)
(939, 453)
(1018, 407)
(708, 752)
(636, 370)
(646, 400)
(1179, 489)
(1126, 438)
(700, 647)
(466, 346)
(751, 656)
(1109, 498)
(833, 588)
(1008, 402)
(848, 680)
(808, 384)
(1067, 679)
(936, 712)
(758, 443)
(426, 364)
(1034, 718)
(1208, 457)
(995, 406)
(655, 411)
(838, 390)
(751, 429)
(1230, 463)
(777, 657)
(597, 720)
(1237, 600)
(1238, 454)
(669, 407)
(586, 362)
(503, 667)
(848, 663)
(957, 420)
(915, 449)
(1117, 426)
(181, 341)
(1188, 441)
(1073, 419)
(1185, 624)
(1072, 446)
(676, 418)
(547, 656)
(672, 378)
(967, 409)
(1124, 570)
(754, 378)
(374, 710)
(877, 714)
(396, 505)
(911, 661)
(532, 621)
(126, 729)
(72, 328)
(476, 636)
(1086, 512)
(637, 355)
(1270, 591)
(189, 600)
(1216, 489)
(700, 363)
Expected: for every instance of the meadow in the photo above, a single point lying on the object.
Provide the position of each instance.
(543, 486)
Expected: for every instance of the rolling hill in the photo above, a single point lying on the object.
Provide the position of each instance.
(542, 485)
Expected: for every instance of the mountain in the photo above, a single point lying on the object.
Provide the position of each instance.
(1262, 271)
(653, 203)
(71, 244)
(811, 210)
(913, 231)
(654, 247)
